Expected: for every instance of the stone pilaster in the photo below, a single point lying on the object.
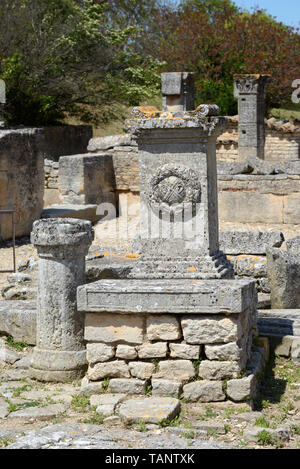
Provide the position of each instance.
(250, 90)
(179, 233)
(62, 245)
(177, 91)
(2, 102)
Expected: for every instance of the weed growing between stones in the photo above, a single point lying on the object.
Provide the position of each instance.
(80, 402)
(18, 346)
(264, 438)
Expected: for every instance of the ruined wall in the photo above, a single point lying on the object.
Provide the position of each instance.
(21, 178)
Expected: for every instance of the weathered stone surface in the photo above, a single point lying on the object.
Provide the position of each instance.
(114, 369)
(165, 387)
(18, 319)
(209, 330)
(39, 413)
(155, 350)
(177, 91)
(230, 351)
(188, 352)
(83, 179)
(250, 266)
(62, 245)
(99, 353)
(295, 350)
(249, 242)
(180, 370)
(88, 388)
(278, 322)
(7, 355)
(111, 141)
(114, 328)
(68, 210)
(150, 410)
(216, 427)
(106, 403)
(126, 352)
(283, 349)
(21, 179)
(171, 296)
(282, 433)
(164, 327)
(218, 370)
(204, 391)
(128, 386)
(3, 408)
(284, 277)
(241, 389)
(141, 370)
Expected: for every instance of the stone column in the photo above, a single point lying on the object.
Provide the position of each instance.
(250, 90)
(62, 245)
(2, 101)
(178, 91)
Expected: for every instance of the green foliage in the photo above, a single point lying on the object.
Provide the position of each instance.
(60, 59)
(175, 422)
(264, 438)
(80, 402)
(19, 346)
(94, 418)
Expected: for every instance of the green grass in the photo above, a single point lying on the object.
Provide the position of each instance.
(80, 402)
(14, 407)
(264, 438)
(172, 423)
(188, 435)
(18, 346)
(209, 414)
(5, 442)
(141, 426)
(94, 418)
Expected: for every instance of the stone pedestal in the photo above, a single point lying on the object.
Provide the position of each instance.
(250, 90)
(62, 245)
(176, 326)
(179, 234)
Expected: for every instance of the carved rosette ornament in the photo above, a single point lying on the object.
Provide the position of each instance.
(173, 188)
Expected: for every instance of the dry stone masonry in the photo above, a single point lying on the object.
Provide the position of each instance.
(180, 324)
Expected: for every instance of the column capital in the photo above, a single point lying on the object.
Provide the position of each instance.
(250, 83)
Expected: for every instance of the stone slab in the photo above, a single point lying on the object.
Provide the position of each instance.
(249, 242)
(18, 319)
(150, 410)
(81, 212)
(166, 296)
(278, 322)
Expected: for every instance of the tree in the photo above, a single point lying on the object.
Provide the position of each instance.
(215, 39)
(61, 57)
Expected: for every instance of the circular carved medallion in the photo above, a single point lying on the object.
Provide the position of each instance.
(173, 187)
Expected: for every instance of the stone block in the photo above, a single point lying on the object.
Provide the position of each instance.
(114, 328)
(127, 352)
(180, 370)
(283, 348)
(81, 212)
(18, 319)
(165, 387)
(105, 143)
(230, 352)
(114, 369)
(150, 410)
(284, 277)
(88, 388)
(106, 403)
(291, 212)
(127, 386)
(219, 370)
(250, 266)
(295, 350)
(163, 327)
(155, 350)
(249, 242)
(84, 178)
(141, 370)
(208, 330)
(99, 353)
(204, 391)
(188, 352)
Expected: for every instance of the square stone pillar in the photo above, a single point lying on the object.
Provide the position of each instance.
(250, 90)
(178, 91)
(179, 233)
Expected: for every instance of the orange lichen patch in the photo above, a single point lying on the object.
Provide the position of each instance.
(192, 269)
(132, 255)
(105, 254)
(148, 111)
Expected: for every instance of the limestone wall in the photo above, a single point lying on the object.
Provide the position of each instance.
(21, 178)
